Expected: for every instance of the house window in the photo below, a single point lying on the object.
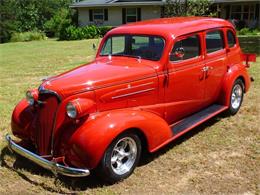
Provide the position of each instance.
(98, 15)
(131, 15)
(242, 12)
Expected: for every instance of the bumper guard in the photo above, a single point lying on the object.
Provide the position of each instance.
(50, 165)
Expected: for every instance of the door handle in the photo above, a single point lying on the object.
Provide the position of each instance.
(203, 75)
(207, 68)
(205, 71)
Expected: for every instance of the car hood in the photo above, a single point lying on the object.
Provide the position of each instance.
(98, 74)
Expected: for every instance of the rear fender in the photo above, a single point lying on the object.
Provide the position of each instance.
(234, 72)
(91, 140)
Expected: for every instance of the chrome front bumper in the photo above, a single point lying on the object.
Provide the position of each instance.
(50, 165)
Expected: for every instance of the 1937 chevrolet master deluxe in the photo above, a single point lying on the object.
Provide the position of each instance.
(150, 82)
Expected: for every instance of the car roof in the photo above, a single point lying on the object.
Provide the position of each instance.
(175, 26)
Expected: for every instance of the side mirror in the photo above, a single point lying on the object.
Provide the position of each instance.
(179, 52)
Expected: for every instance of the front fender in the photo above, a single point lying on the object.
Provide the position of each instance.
(21, 119)
(91, 140)
(233, 73)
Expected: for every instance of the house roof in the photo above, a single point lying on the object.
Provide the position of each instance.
(108, 3)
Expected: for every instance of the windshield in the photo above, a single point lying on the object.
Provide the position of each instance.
(146, 47)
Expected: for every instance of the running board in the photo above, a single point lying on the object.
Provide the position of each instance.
(196, 119)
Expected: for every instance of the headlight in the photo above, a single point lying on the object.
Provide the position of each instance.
(71, 110)
(80, 107)
(32, 96)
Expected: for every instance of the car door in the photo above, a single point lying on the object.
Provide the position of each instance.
(233, 49)
(184, 92)
(215, 64)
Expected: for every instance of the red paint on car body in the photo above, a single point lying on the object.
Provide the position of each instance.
(132, 93)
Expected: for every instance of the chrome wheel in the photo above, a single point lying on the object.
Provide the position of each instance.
(236, 96)
(124, 155)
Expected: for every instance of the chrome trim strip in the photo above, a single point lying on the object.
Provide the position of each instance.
(50, 165)
(133, 87)
(133, 93)
(115, 83)
(141, 85)
(42, 90)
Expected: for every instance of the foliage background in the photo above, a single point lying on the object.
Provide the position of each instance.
(26, 20)
(34, 15)
(54, 17)
(188, 8)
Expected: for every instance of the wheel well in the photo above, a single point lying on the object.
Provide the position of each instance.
(140, 134)
(142, 137)
(243, 80)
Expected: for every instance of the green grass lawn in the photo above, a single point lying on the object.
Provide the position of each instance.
(221, 156)
(23, 65)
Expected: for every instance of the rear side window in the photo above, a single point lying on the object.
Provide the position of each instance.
(214, 41)
(191, 47)
(231, 38)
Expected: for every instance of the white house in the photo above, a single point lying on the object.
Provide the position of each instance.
(117, 12)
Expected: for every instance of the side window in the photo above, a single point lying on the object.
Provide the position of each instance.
(231, 38)
(214, 41)
(190, 46)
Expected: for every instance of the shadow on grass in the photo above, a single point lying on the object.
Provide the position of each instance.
(152, 156)
(82, 184)
(22, 164)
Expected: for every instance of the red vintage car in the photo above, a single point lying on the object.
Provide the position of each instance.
(151, 82)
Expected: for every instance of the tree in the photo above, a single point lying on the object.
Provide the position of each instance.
(61, 20)
(8, 23)
(29, 15)
(187, 8)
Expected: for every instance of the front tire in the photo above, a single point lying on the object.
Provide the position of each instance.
(120, 158)
(236, 96)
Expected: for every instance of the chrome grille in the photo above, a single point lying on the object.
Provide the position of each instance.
(45, 122)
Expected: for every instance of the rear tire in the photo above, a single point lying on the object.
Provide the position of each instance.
(120, 158)
(236, 97)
